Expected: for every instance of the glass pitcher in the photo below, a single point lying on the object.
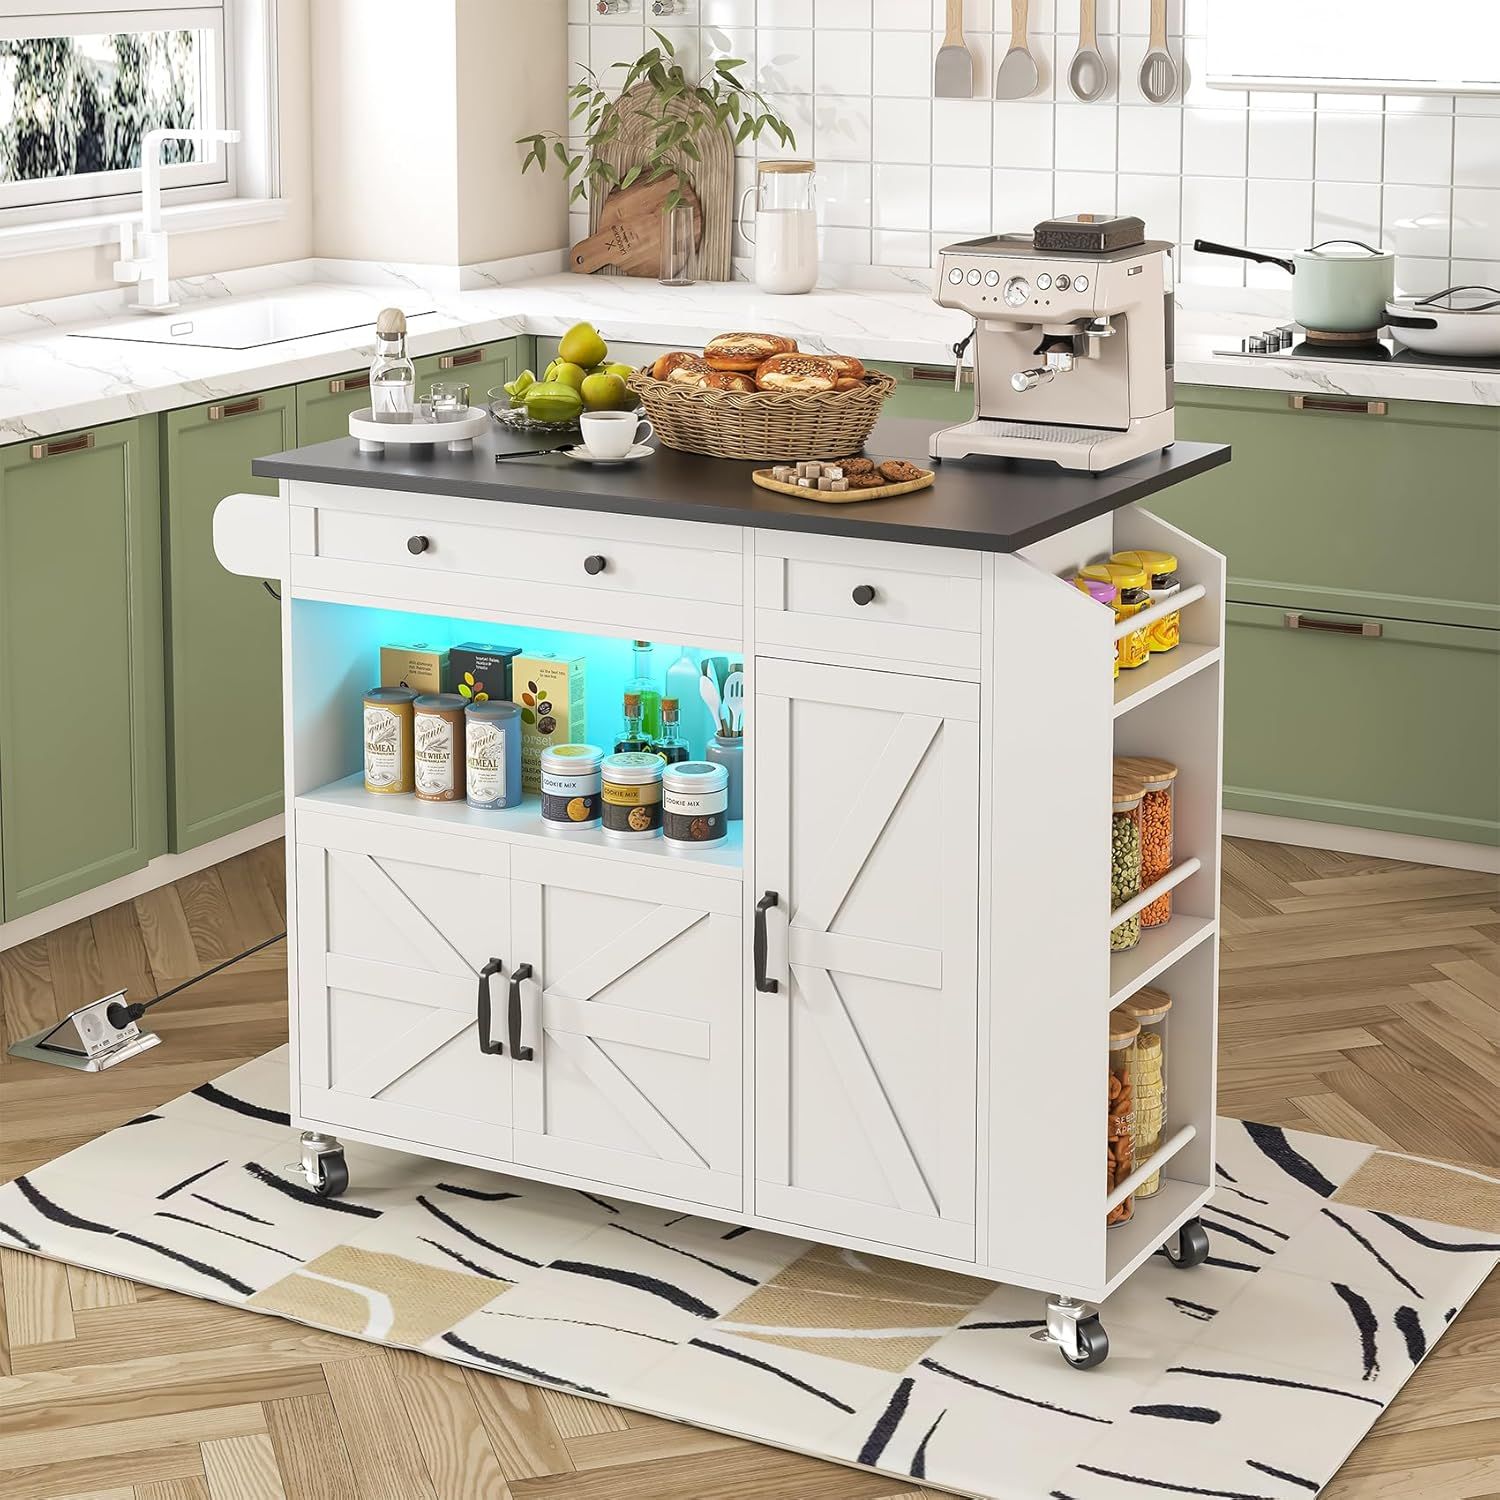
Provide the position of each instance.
(784, 230)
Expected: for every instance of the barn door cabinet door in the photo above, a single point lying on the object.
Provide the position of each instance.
(632, 1012)
(398, 931)
(866, 823)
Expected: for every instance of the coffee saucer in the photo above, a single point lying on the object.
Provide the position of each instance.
(583, 456)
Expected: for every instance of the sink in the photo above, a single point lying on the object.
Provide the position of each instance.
(252, 322)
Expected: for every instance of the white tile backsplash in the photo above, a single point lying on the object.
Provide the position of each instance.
(903, 173)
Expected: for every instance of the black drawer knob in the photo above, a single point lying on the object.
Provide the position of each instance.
(594, 564)
(864, 594)
(417, 544)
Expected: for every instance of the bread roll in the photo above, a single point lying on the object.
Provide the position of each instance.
(679, 359)
(727, 380)
(800, 374)
(745, 351)
(848, 367)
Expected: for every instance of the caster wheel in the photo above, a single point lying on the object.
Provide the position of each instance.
(1094, 1342)
(333, 1175)
(1189, 1247)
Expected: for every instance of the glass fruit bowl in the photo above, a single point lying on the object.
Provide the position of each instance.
(517, 419)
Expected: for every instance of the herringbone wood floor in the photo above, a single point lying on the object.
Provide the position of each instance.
(1360, 998)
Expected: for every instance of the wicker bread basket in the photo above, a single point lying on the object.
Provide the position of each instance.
(763, 425)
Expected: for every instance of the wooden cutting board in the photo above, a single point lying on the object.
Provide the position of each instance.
(629, 233)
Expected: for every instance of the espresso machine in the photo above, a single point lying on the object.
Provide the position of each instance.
(1072, 343)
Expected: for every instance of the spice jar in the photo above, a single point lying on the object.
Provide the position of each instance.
(632, 794)
(1125, 855)
(438, 733)
(1159, 777)
(1146, 1066)
(1130, 599)
(695, 804)
(1123, 1030)
(492, 753)
(388, 739)
(569, 778)
(1161, 583)
(1101, 592)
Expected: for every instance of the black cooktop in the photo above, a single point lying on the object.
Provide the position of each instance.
(1295, 344)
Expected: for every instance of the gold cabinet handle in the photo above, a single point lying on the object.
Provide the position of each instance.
(1295, 620)
(1348, 405)
(59, 446)
(930, 375)
(341, 383)
(248, 407)
(454, 361)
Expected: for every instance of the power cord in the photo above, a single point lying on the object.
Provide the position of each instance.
(120, 1016)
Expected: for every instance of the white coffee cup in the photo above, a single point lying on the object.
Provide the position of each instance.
(612, 434)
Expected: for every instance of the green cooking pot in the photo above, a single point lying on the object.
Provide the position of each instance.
(1338, 286)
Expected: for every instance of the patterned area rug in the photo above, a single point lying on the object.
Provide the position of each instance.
(1251, 1378)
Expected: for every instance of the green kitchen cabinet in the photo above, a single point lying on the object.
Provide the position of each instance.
(1388, 724)
(82, 775)
(323, 406)
(483, 366)
(1381, 508)
(223, 631)
(926, 392)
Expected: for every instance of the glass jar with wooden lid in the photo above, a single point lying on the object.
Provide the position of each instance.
(1125, 855)
(1146, 1067)
(784, 229)
(1159, 778)
(1123, 1030)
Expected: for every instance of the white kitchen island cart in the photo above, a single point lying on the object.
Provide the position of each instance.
(878, 1014)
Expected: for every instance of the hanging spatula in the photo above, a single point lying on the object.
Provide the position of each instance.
(1158, 71)
(953, 72)
(1018, 76)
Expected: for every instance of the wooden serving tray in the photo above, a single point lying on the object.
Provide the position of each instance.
(763, 478)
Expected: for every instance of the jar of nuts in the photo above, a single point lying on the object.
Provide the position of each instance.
(1123, 1030)
(1125, 855)
(1159, 777)
(1146, 1066)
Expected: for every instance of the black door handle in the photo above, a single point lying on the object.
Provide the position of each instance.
(488, 1047)
(416, 544)
(517, 975)
(863, 594)
(765, 985)
(594, 563)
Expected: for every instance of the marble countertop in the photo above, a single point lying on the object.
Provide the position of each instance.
(51, 381)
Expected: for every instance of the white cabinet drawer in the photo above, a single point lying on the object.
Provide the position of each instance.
(874, 599)
(638, 572)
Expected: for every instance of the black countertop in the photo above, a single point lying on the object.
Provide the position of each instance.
(992, 505)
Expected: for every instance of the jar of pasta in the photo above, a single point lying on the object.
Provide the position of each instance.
(1146, 1069)
(1125, 855)
(1123, 1030)
(1130, 599)
(1159, 777)
(1162, 582)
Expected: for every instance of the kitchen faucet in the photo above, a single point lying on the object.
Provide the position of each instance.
(143, 257)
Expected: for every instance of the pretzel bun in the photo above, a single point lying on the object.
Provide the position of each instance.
(727, 380)
(679, 359)
(799, 374)
(848, 367)
(745, 351)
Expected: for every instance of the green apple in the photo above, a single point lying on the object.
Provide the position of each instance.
(623, 371)
(566, 372)
(604, 392)
(581, 345)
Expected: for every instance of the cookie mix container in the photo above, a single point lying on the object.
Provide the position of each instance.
(1146, 1067)
(1159, 777)
(389, 763)
(438, 731)
(1161, 583)
(695, 804)
(570, 785)
(1125, 855)
(632, 794)
(1123, 1030)
(1131, 598)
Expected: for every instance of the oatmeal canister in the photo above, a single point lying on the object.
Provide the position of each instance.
(492, 753)
(695, 804)
(632, 794)
(570, 787)
(388, 739)
(438, 732)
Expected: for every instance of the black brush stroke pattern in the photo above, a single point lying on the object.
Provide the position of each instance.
(464, 1261)
(1410, 1324)
(1226, 1265)
(1354, 1234)
(1195, 1310)
(887, 1423)
(239, 1213)
(472, 1237)
(712, 1265)
(1297, 1479)
(602, 1202)
(635, 1333)
(736, 1232)
(1291, 1385)
(918, 1468)
(18, 1237)
(1413, 1233)
(499, 1363)
(1172, 1413)
(770, 1369)
(142, 1120)
(167, 1213)
(1367, 1324)
(1014, 1323)
(1174, 1489)
(995, 1390)
(211, 1093)
(653, 1286)
(1238, 1193)
(1224, 1174)
(1238, 1234)
(477, 1194)
(1271, 1139)
(300, 1194)
(1226, 1213)
(189, 1181)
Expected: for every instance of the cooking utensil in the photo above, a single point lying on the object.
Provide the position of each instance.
(1461, 320)
(631, 228)
(1088, 74)
(708, 689)
(953, 71)
(1334, 292)
(1018, 76)
(532, 452)
(734, 701)
(1158, 71)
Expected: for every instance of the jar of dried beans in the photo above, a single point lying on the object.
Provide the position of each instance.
(1159, 778)
(1146, 1066)
(1123, 1030)
(1125, 855)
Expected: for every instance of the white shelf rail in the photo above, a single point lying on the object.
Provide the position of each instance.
(1151, 1166)
(1137, 904)
(1148, 617)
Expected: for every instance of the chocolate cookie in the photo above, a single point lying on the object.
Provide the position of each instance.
(898, 471)
(853, 466)
(866, 479)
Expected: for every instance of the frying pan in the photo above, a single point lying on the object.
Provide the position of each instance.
(1463, 320)
(1333, 291)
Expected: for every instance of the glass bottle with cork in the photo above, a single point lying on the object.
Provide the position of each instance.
(633, 737)
(670, 744)
(643, 683)
(393, 377)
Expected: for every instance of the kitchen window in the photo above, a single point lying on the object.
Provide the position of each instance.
(79, 89)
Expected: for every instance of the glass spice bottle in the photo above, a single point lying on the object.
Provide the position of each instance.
(1146, 1066)
(644, 685)
(633, 737)
(1125, 855)
(671, 746)
(1159, 777)
(1123, 1030)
